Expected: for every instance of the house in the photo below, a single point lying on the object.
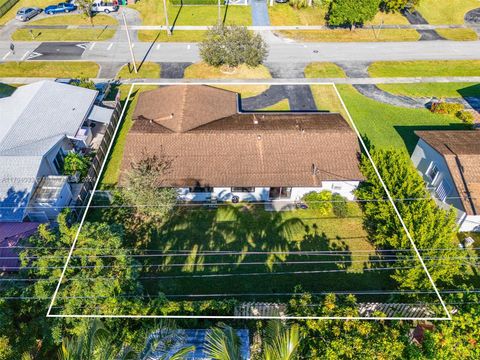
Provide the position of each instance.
(449, 162)
(39, 124)
(220, 153)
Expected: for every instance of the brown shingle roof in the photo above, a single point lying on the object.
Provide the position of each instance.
(461, 150)
(246, 149)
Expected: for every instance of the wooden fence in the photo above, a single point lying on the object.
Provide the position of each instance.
(7, 6)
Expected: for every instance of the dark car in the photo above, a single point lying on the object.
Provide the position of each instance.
(25, 14)
(60, 8)
(103, 91)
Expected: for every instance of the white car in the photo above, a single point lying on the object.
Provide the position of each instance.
(104, 6)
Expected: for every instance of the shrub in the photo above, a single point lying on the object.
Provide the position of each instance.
(446, 108)
(352, 12)
(339, 204)
(298, 4)
(232, 46)
(320, 201)
(76, 163)
(466, 116)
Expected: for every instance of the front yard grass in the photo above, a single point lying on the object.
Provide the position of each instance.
(324, 70)
(201, 233)
(10, 14)
(63, 34)
(282, 105)
(203, 71)
(148, 70)
(447, 11)
(74, 19)
(245, 90)
(152, 13)
(438, 90)
(344, 35)
(326, 99)
(177, 36)
(425, 68)
(458, 34)
(387, 126)
(284, 14)
(53, 69)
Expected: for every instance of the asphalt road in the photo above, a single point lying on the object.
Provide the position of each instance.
(281, 52)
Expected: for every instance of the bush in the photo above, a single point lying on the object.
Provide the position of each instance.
(320, 201)
(340, 206)
(352, 12)
(298, 4)
(232, 46)
(446, 108)
(76, 163)
(466, 116)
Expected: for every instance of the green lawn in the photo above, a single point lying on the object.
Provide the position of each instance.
(147, 70)
(324, 70)
(388, 126)
(433, 89)
(75, 19)
(282, 105)
(342, 35)
(152, 13)
(458, 34)
(177, 36)
(63, 34)
(446, 11)
(70, 69)
(247, 229)
(245, 90)
(326, 99)
(203, 71)
(425, 68)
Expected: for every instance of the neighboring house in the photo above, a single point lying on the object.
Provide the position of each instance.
(221, 153)
(449, 162)
(39, 124)
(10, 236)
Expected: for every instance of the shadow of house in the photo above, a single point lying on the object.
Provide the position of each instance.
(410, 139)
(13, 204)
(471, 94)
(6, 90)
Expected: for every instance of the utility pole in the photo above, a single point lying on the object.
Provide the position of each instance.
(129, 43)
(219, 13)
(169, 31)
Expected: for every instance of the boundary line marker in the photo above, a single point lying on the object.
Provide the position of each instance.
(448, 317)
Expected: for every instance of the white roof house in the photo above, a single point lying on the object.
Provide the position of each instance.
(33, 121)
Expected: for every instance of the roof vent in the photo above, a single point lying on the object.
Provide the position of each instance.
(314, 169)
(255, 121)
(259, 137)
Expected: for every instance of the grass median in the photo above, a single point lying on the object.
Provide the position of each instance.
(439, 90)
(177, 36)
(147, 70)
(424, 68)
(52, 69)
(62, 34)
(343, 35)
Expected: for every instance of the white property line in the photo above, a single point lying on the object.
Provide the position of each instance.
(245, 317)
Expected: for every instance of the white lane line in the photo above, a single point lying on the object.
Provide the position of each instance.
(6, 55)
(188, 46)
(110, 46)
(133, 45)
(158, 46)
(92, 46)
(25, 55)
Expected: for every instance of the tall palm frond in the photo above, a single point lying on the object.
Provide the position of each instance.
(281, 342)
(223, 343)
(71, 349)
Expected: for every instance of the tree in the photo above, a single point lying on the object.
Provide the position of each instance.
(144, 188)
(223, 343)
(232, 46)
(352, 12)
(85, 7)
(432, 229)
(320, 201)
(74, 163)
(282, 342)
(397, 5)
(6, 351)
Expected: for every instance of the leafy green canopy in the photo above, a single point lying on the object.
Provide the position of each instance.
(397, 5)
(432, 229)
(352, 12)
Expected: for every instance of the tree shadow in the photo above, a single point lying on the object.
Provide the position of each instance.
(13, 204)
(177, 16)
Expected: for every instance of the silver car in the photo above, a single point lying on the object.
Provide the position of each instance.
(25, 14)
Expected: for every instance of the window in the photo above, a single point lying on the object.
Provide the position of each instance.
(280, 192)
(59, 161)
(243, 189)
(199, 189)
(336, 187)
(432, 171)
(443, 190)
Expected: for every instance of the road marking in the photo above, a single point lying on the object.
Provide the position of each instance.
(188, 46)
(158, 46)
(82, 46)
(133, 45)
(33, 54)
(6, 55)
(25, 55)
(92, 46)
(110, 46)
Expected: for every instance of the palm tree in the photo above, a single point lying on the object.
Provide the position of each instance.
(281, 342)
(223, 343)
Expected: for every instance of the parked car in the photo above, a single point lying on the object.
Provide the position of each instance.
(105, 6)
(60, 8)
(25, 14)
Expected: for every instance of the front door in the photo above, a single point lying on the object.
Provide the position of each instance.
(280, 193)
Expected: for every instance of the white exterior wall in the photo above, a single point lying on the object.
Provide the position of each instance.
(470, 223)
(344, 188)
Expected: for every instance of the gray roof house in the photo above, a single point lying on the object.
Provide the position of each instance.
(39, 124)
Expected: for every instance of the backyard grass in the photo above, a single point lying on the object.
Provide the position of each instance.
(438, 90)
(458, 34)
(387, 126)
(152, 13)
(58, 69)
(246, 229)
(177, 36)
(75, 19)
(347, 35)
(282, 105)
(425, 68)
(446, 11)
(324, 70)
(63, 34)
(147, 70)
(203, 71)
(326, 99)
(10, 14)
